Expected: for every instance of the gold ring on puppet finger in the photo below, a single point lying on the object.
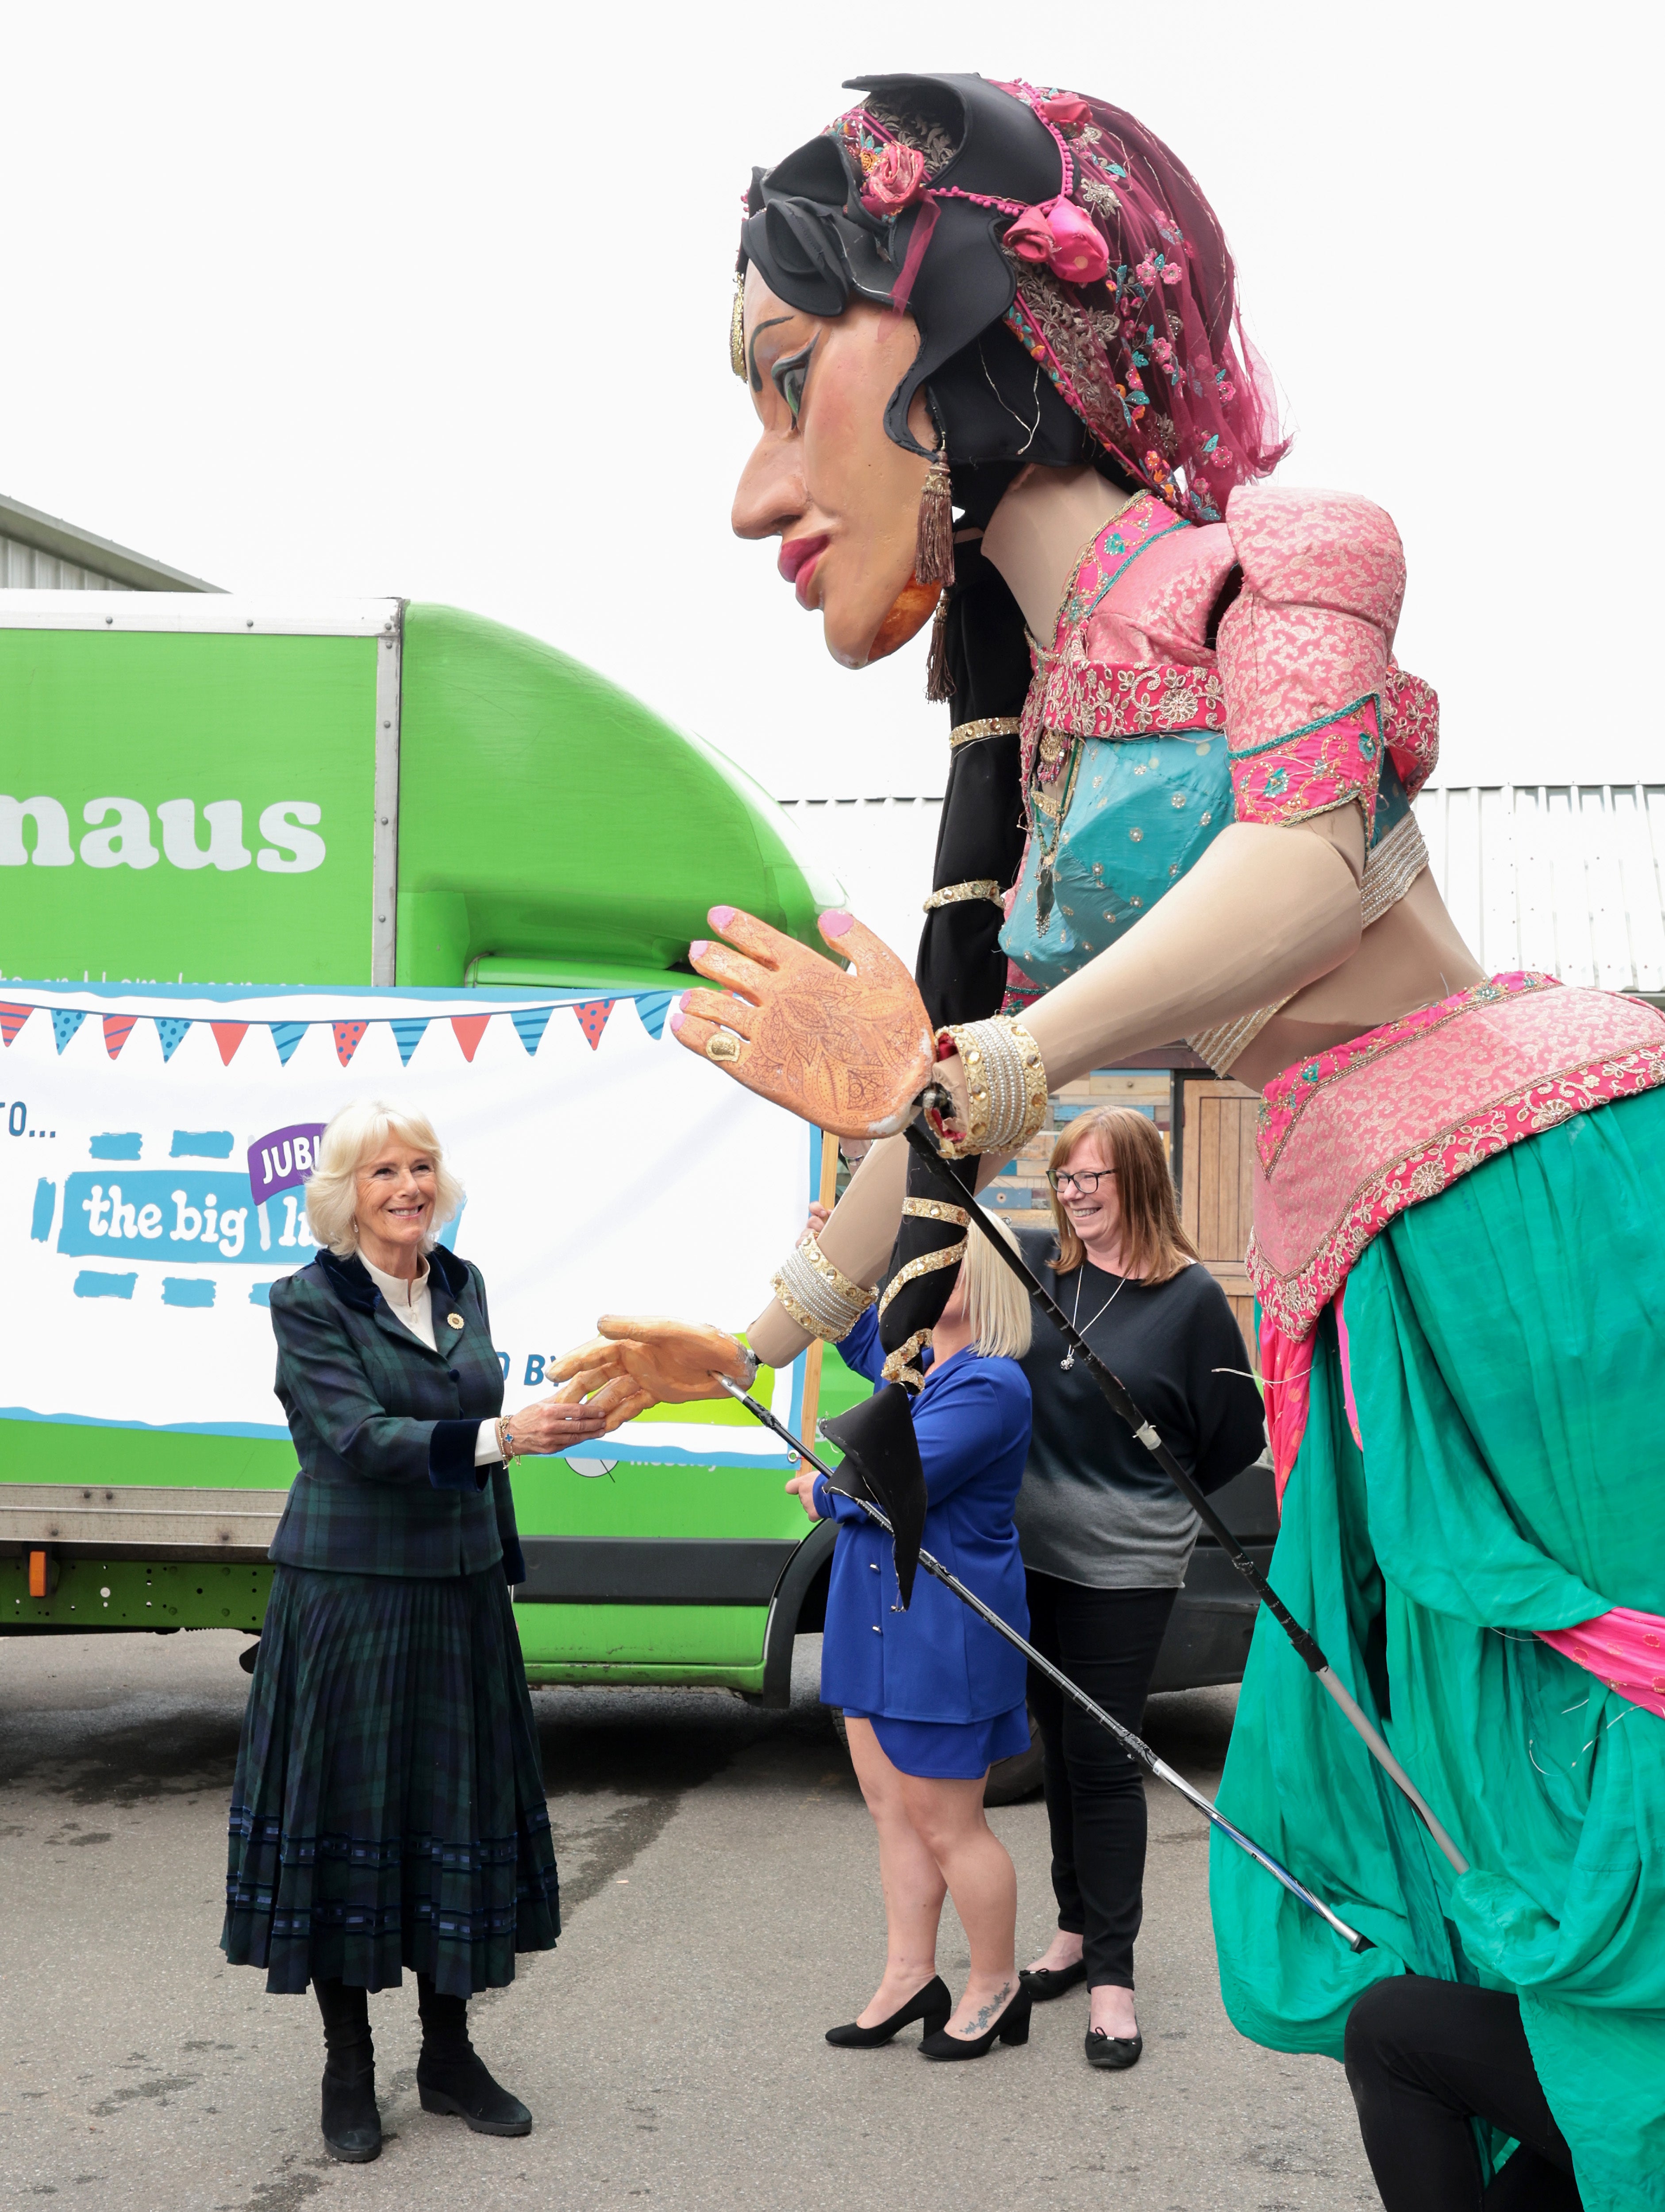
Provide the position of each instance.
(725, 1048)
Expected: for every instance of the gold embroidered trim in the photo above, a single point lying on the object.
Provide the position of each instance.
(1007, 1086)
(899, 1365)
(1220, 1047)
(992, 725)
(1393, 866)
(959, 894)
(927, 1263)
(934, 1209)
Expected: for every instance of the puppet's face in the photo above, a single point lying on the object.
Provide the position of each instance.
(825, 480)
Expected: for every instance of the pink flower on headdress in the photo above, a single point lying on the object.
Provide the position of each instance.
(1066, 111)
(1172, 273)
(1145, 271)
(1079, 254)
(895, 182)
(1030, 237)
(1065, 238)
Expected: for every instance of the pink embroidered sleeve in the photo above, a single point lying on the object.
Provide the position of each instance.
(1305, 651)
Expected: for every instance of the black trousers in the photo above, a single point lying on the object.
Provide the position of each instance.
(1424, 2059)
(1106, 1641)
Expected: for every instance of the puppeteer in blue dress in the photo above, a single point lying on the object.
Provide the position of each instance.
(945, 1693)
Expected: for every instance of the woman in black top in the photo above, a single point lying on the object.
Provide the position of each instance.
(1106, 1536)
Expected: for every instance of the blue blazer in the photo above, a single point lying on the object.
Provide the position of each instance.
(937, 1661)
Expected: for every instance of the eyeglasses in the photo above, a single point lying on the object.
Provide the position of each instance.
(1083, 1185)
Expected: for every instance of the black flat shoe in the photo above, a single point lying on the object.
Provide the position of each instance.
(931, 2004)
(1011, 2026)
(1046, 1983)
(1113, 2051)
(351, 2124)
(462, 2084)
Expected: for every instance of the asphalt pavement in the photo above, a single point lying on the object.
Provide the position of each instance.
(721, 1901)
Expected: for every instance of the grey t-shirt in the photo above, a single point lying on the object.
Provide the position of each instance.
(1095, 1507)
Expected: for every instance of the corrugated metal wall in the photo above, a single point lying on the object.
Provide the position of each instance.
(23, 569)
(1564, 878)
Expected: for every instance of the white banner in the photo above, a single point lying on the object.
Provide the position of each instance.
(152, 1146)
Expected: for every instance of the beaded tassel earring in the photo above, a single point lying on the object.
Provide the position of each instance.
(933, 564)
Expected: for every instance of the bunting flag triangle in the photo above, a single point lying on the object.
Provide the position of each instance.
(529, 1023)
(409, 1030)
(469, 1029)
(286, 1035)
(65, 1023)
(349, 1035)
(117, 1028)
(653, 1006)
(229, 1036)
(593, 1018)
(12, 1019)
(170, 1028)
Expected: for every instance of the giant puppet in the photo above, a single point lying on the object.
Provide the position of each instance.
(991, 335)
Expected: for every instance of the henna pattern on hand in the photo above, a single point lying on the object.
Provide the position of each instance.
(849, 1049)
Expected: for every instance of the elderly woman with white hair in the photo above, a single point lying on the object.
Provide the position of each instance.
(388, 1810)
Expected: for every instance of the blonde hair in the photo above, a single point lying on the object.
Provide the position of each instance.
(1153, 1245)
(996, 1303)
(352, 1136)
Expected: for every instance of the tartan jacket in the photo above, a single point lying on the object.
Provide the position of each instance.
(385, 1429)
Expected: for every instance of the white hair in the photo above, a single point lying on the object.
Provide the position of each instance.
(352, 1136)
(996, 1303)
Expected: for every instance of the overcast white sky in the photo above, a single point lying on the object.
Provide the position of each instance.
(435, 301)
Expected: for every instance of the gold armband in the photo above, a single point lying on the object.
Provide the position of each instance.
(1005, 1085)
(818, 1297)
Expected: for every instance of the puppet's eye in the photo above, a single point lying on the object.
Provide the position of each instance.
(790, 378)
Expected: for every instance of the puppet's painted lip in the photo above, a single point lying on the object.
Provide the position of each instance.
(799, 557)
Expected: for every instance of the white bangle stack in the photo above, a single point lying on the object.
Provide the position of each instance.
(817, 1295)
(1005, 1083)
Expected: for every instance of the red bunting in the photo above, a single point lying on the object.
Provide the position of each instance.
(469, 1029)
(349, 1035)
(117, 1028)
(12, 1019)
(593, 1018)
(229, 1036)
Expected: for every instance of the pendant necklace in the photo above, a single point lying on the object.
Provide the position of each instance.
(1068, 1359)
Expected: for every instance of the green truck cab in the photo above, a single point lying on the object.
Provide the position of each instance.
(472, 809)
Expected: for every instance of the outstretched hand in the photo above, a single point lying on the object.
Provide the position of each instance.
(849, 1049)
(648, 1359)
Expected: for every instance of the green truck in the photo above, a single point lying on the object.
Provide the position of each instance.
(152, 747)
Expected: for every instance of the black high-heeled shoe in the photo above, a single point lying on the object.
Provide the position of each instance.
(1011, 2026)
(931, 2004)
(1046, 1983)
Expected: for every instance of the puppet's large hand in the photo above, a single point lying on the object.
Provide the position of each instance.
(648, 1359)
(849, 1049)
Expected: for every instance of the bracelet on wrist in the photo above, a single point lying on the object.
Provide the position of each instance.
(1006, 1080)
(817, 1295)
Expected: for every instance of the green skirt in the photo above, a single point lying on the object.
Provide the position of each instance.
(388, 1810)
(1506, 1346)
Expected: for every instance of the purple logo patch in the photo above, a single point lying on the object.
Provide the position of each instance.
(283, 1159)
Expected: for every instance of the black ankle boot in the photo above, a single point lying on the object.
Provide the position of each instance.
(351, 2124)
(451, 2077)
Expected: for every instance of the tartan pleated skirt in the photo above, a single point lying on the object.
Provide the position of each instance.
(388, 1810)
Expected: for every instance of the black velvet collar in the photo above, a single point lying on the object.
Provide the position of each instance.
(352, 1283)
